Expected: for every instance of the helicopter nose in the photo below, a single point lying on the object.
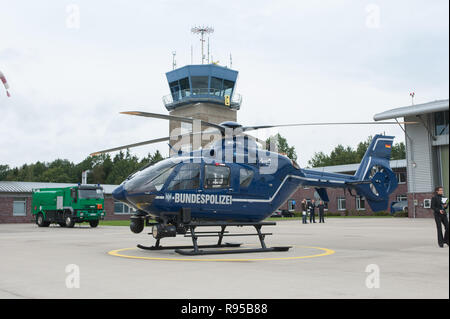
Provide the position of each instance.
(119, 193)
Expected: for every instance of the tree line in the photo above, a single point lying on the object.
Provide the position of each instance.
(104, 169)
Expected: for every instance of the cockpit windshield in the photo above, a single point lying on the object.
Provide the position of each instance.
(142, 180)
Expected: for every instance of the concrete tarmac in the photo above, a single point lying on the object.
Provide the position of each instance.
(343, 258)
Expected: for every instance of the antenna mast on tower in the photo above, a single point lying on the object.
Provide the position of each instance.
(174, 62)
(202, 31)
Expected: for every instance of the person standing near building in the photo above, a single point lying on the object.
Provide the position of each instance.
(312, 211)
(321, 208)
(438, 206)
(304, 208)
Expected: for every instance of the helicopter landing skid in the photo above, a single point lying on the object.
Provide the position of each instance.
(158, 247)
(197, 249)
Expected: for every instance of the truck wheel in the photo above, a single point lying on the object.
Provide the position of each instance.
(40, 221)
(69, 221)
(93, 223)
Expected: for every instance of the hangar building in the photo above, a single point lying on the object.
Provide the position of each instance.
(426, 151)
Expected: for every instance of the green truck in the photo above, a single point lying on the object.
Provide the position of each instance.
(68, 205)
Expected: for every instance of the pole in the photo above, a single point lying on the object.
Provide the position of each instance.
(203, 55)
(208, 50)
(84, 176)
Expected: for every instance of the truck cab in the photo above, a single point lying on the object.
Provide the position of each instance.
(68, 205)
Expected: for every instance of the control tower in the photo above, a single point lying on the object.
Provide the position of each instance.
(205, 92)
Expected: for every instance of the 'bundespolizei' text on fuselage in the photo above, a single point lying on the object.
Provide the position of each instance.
(183, 198)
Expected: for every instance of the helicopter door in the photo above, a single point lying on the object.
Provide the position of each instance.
(185, 181)
(217, 187)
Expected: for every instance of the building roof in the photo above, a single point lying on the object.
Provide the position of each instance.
(27, 187)
(430, 107)
(354, 167)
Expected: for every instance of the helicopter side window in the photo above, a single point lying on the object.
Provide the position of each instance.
(217, 176)
(188, 177)
(245, 177)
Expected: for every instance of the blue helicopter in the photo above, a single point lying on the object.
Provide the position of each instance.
(236, 182)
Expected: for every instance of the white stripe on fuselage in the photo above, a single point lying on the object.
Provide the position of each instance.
(281, 185)
(278, 189)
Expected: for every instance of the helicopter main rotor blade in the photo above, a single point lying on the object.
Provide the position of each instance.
(174, 118)
(162, 139)
(257, 127)
(157, 140)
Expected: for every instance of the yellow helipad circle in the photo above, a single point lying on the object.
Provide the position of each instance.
(325, 252)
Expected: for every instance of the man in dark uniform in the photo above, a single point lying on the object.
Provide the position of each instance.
(312, 211)
(321, 207)
(440, 216)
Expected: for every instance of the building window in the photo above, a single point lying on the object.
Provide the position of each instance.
(401, 177)
(401, 198)
(121, 208)
(441, 123)
(20, 207)
(184, 87)
(227, 87)
(360, 203)
(341, 203)
(199, 84)
(216, 85)
(291, 205)
(175, 90)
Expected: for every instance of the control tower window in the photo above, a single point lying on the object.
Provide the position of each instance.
(227, 87)
(216, 86)
(199, 84)
(184, 87)
(175, 90)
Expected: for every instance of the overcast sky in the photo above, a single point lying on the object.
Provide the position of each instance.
(72, 66)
